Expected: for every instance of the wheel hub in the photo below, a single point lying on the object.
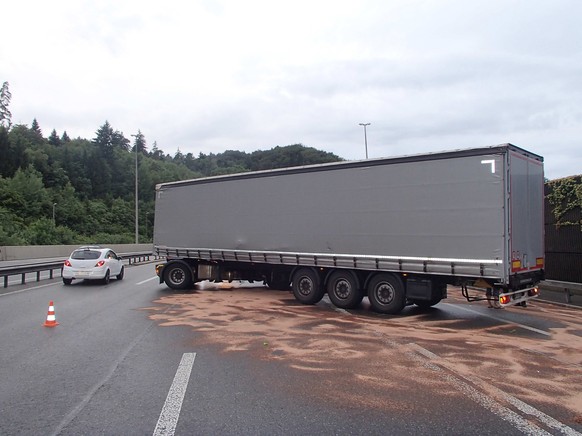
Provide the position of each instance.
(305, 286)
(342, 289)
(385, 293)
(177, 276)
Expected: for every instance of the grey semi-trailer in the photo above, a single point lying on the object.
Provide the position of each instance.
(397, 230)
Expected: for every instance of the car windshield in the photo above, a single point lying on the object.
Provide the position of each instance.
(85, 255)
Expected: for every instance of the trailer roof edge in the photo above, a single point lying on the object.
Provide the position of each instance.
(447, 154)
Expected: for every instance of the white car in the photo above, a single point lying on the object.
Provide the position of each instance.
(92, 263)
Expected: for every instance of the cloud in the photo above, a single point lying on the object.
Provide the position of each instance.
(206, 76)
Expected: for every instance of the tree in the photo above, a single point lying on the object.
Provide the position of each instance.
(6, 168)
(35, 127)
(156, 153)
(104, 139)
(18, 141)
(139, 142)
(54, 138)
(10, 227)
(119, 141)
(107, 140)
(25, 195)
(65, 138)
(5, 115)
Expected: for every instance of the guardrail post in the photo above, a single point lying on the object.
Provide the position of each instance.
(568, 296)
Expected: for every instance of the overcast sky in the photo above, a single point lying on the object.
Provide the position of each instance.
(208, 76)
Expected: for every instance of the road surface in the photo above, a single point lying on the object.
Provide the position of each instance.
(133, 357)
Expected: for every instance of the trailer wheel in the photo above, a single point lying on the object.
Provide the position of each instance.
(344, 290)
(306, 286)
(386, 294)
(178, 275)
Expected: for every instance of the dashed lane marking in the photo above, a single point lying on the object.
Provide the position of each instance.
(147, 280)
(168, 420)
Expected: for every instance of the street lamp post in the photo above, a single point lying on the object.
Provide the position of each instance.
(54, 205)
(136, 193)
(365, 137)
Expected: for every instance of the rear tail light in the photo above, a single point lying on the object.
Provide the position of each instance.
(67, 263)
(100, 263)
(504, 299)
(533, 291)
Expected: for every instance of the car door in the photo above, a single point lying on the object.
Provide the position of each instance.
(114, 262)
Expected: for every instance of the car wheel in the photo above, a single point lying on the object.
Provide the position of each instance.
(67, 282)
(106, 278)
(121, 273)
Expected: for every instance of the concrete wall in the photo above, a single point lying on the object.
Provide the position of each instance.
(59, 251)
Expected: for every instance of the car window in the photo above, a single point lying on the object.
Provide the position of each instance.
(85, 255)
(111, 255)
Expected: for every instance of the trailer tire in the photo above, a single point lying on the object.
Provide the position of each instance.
(344, 290)
(178, 275)
(386, 294)
(306, 286)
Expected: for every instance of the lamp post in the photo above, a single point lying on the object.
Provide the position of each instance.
(54, 222)
(136, 192)
(365, 137)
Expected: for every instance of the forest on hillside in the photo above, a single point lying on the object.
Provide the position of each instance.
(59, 190)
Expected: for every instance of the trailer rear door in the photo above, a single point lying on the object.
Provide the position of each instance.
(526, 212)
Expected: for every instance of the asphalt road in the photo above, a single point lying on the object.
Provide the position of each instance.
(131, 357)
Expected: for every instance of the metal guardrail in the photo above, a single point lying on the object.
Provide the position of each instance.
(52, 266)
(568, 288)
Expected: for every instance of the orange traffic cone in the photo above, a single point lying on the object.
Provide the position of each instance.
(51, 319)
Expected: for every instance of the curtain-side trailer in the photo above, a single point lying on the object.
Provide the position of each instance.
(397, 230)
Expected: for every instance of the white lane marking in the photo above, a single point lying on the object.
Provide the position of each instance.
(24, 290)
(171, 411)
(480, 398)
(423, 351)
(523, 326)
(147, 280)
(483, 399)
